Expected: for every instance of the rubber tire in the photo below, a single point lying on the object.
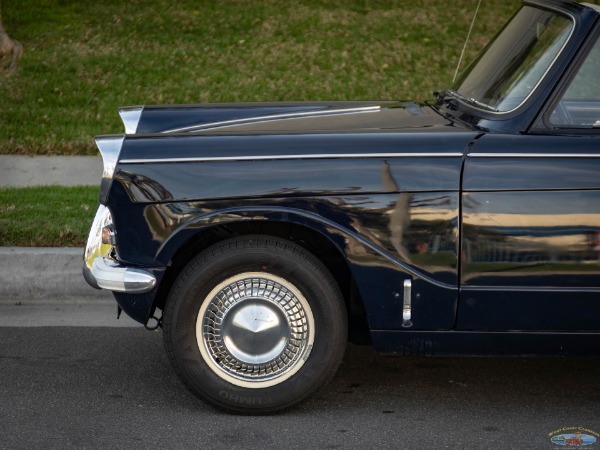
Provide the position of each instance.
(255, 254)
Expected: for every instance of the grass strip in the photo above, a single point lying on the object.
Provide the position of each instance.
(48, 216)
(84, 59)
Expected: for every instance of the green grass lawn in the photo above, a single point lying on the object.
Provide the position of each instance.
(46, 216)
(84, 59)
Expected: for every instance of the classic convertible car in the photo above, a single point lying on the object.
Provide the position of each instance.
(261, 237)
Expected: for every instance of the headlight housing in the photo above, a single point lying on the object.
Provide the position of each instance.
(102, 227)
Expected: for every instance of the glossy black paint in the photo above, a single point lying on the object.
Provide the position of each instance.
(531, 222)
(533, 163)
(169, 118)
(495, 218)
(382, 249)
(392, 217)
(140, 306)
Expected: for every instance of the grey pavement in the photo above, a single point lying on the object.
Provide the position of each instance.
(42, 274)
(97, 387)
(76, 312)
(23, 171)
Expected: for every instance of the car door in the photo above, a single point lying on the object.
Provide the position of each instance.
(530, 231)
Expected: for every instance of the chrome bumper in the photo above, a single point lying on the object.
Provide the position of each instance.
(107, 274)
(103, 272)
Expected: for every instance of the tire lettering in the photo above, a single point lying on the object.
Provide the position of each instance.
(244, 400)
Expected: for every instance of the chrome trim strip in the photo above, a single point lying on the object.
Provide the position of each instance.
(407, 302)
(528, 289)
(260, 119)
(130, 115)
(110, 148)
(288, 157)
(534, 155)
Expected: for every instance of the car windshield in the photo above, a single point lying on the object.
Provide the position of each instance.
(508, 71)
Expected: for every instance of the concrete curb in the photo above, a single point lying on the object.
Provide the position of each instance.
(44, 274)
(38, 274)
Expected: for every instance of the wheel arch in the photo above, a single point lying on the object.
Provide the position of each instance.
(314, 237)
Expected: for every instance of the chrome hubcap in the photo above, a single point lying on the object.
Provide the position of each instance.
(255, 330)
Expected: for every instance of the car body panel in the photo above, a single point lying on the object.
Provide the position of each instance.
(492, 218)
(379, 211)
(530, 259)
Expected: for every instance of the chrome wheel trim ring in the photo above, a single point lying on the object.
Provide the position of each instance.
(255, 330)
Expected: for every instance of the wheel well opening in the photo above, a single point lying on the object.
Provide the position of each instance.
(311, 240)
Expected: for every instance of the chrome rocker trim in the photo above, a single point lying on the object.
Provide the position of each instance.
(107, 274)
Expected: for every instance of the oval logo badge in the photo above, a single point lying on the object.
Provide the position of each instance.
(573, 439)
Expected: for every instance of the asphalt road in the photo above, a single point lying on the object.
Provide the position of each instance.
(82, 384)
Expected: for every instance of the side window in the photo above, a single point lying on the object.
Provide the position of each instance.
(579, 106)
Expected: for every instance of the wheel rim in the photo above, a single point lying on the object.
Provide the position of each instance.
(255, 330)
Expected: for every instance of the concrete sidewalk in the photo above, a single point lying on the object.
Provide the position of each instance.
(23, 171)
(39, 274)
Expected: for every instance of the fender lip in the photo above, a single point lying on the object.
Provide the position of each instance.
(107, 274)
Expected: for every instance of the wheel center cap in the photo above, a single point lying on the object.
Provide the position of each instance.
(255, 331)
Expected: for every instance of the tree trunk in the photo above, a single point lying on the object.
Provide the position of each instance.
(10, 50)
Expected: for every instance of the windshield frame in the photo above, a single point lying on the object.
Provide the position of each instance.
(480, 103)
(521, 116)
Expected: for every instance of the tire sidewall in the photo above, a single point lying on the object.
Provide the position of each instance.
(286, 261)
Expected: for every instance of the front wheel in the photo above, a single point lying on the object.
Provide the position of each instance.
(255, 325)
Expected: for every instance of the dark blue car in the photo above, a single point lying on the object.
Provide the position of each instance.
(261, 237)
